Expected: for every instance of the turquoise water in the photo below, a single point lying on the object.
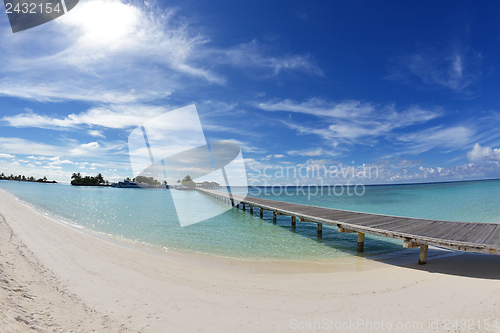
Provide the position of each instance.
(148, 216)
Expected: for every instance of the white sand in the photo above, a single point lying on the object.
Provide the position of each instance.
(56, 278)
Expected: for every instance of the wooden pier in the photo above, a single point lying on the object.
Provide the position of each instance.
(415, 232)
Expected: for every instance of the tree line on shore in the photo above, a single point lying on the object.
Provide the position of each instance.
(146, 180)
(77, 179)
(23, 178)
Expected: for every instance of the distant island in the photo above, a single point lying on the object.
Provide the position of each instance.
(22, 178)
(138, 182)
(78, 180)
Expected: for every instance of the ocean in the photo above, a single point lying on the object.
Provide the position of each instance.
(147, 217)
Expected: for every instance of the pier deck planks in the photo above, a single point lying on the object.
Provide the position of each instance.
(461, 236)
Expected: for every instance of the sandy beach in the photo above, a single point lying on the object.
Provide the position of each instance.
(55, 278)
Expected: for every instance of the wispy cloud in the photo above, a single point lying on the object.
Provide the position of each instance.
(108, 51)
(450, 138)
(350, 121)
(110, 151)
(276, 156)
(245, 146)
(456, 68)
(311, 152)
(256, 55)
(111, 116)
(91, 58)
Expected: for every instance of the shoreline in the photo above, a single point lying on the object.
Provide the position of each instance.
(250, 265)
(119, 289)
(401, 257)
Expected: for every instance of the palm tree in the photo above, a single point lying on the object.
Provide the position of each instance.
(188, 181)
(99, 178)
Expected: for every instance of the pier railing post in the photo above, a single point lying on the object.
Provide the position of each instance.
(319, 232)
(361, 241)
(422, 258)
(274, 217)
(293, 222)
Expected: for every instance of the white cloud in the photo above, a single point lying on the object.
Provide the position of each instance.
(6, 155)
(96, 133)
(90, 145)
(268, 157)
(85, 148)
(478, 153)
(26, 147)
(57, 161)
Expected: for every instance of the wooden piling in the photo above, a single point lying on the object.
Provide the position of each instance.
(261, 212)
(251, 209)
(319, 232)
(274, 217)
(422, 258)
(243, 206)
(293, 222)
(361, 241)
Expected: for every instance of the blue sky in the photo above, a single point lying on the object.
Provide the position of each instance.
(408, 88)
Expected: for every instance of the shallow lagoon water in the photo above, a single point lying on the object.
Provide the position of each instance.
(149, 217)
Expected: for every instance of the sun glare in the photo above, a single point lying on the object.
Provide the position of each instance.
(103, 23)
